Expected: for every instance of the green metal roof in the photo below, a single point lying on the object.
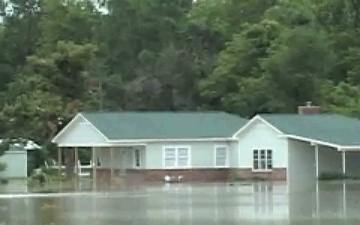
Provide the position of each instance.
(165, 125)
(335, 129)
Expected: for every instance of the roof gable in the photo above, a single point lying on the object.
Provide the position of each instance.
(165, 125)
(252, 122)
(328, 128)
(79, 132)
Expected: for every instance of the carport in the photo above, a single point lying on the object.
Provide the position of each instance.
(309, 159)
(318, 143)
(337, 159)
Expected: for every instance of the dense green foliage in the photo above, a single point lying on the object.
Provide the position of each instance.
(242, 56)
(3, 147)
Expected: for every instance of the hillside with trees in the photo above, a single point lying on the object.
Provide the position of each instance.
(59, 57)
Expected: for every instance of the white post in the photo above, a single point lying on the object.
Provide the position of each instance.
(79, 168)
(317, 160)
(59, 161)
(76, 161)
(343, 154)
(344, 199)
(111, 163)
(94, 164)
(317, 200)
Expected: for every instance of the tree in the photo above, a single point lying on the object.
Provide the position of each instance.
(291, 68)
(19, 35)
(342, 98)
(146, 54)
(238, 72)
(67, 21)
(49, 84)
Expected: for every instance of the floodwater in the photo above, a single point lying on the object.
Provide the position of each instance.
(185, 203)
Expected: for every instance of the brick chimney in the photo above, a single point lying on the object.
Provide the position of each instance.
(309, 109)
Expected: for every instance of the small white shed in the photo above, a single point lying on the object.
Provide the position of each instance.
(16, 159)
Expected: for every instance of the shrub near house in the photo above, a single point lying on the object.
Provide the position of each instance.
(2, 151)
(2, 168)
(2, 164)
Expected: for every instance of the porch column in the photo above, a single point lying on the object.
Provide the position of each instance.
(111, 163)
(94, 161)
(343, 154)
(344, 199)
(317, 205)
(59, 161)
(76, 152)
(317, 160)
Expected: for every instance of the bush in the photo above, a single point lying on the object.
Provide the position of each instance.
(51, 171)
(4, 181)
(2, 166)
(234, 177)
(332, 176)
(256, 178)
(4, 146)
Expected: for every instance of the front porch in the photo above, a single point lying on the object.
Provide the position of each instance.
(108, 163)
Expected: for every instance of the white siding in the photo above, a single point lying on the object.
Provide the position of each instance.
(261, 136)
(301, 161)
(201, 153)
(234, 154)
(80, 133)
(16, 162)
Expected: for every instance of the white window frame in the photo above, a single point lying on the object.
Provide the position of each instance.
(259, 159)
(134, 159)
(177, 147)
(216, 147)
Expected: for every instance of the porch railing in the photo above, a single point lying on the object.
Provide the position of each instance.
(83, 170)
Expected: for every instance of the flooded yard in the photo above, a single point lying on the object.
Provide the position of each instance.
(185, 203)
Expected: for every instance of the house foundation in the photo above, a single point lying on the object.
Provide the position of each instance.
(159, 175)
(277, 174)
(202, 175)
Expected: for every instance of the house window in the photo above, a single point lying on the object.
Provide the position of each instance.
(137, 158)
(176, 157)
(183, 157)
(170, 157)
(262, 159)
(221, 155)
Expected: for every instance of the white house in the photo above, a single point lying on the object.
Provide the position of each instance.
(197, 145)
(211, 145)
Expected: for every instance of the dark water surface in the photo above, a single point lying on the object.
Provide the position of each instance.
(197, 204)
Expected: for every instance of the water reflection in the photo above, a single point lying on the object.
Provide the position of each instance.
(245, 203)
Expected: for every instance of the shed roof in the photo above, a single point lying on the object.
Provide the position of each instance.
(331, 128)
(165, 125)
(22, 144)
